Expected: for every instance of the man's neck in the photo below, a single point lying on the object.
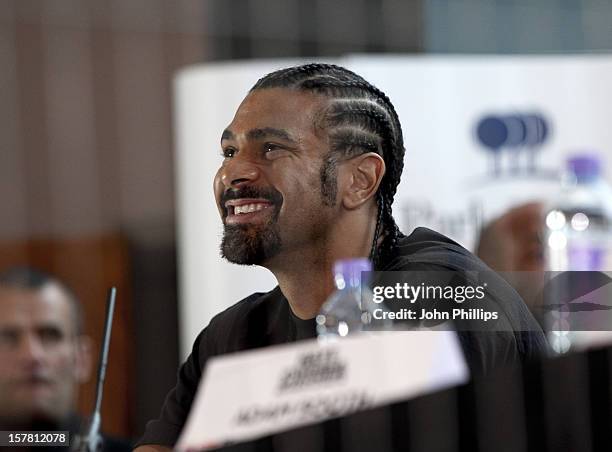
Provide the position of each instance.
(305, 276)
(306, 286)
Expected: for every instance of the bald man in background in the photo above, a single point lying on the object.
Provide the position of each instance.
(512, 245)
(44, 355)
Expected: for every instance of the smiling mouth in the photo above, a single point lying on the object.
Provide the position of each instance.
(241, 211)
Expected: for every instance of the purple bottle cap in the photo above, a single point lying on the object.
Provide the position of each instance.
(585, 167)
(350, 270)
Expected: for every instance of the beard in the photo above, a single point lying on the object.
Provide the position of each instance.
(249, 244)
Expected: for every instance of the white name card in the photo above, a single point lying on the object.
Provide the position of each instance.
(251, 394)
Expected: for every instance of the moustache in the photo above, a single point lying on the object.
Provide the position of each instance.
(269, 194)
(34, 378)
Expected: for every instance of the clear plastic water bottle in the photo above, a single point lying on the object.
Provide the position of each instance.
(579, 221)
(578, 237)
(349, 309)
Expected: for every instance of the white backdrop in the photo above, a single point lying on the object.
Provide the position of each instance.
(447, 182)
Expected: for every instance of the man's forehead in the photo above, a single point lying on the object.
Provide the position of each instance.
(276, 110)
(48, 304)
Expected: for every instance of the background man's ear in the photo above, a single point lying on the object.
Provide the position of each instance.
(84, 359)
(364, 174)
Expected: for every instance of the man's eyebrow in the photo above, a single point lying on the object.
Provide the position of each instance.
(257, 134)
(260, 133)
(227, 135)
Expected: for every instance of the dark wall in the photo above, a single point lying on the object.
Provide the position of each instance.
(86, 152)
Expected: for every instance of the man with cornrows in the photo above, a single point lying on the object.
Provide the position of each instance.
(311, 164)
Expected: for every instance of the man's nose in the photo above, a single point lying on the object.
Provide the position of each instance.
(31, 349)
(239, 171)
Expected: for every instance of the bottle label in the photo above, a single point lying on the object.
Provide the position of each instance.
(584, 257)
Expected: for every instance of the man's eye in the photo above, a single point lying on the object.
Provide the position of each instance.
(50, 335)
(228, 153)
(8, 338)
(271, 148)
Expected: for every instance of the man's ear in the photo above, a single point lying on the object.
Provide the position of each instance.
(362, 178)
(84, 358)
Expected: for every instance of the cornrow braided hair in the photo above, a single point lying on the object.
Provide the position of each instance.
(359, 119)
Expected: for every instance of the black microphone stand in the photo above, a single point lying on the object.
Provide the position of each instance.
(92, 440)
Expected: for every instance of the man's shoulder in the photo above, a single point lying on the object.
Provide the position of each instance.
(422, 238)
(253, 303)
(425, 246)
(427, 250)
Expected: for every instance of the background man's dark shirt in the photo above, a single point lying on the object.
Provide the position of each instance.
(264, 319)
(74, 425)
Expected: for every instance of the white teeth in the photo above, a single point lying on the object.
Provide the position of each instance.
(247, 208)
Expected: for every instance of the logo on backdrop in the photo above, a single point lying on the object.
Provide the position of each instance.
(460, 225)
(513, 142)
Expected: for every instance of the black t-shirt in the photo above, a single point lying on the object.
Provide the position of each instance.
(264, 319)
